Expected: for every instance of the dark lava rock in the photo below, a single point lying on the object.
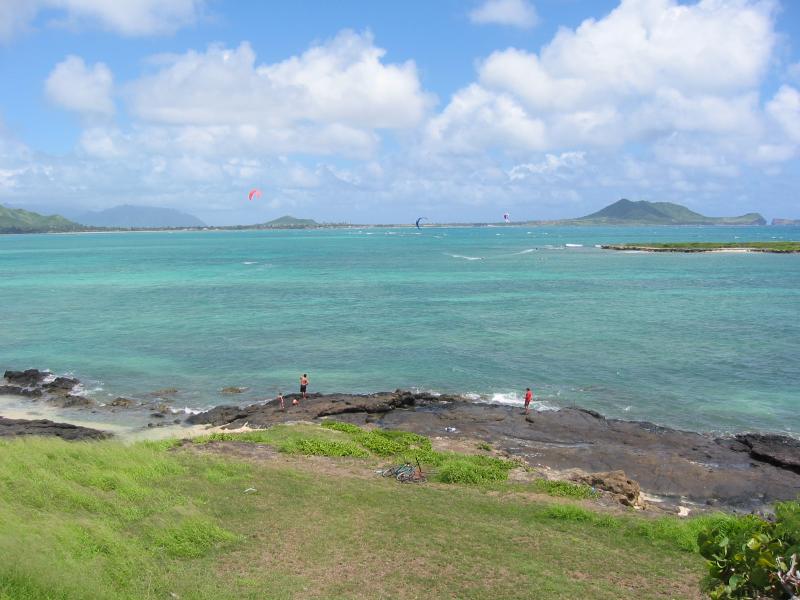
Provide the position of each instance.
(26, 378)
(60, 385)
(121, 402)
(14, 427)
(233, 390)
(70, 401)
(777, 450)
(219, 415)
(18, 390)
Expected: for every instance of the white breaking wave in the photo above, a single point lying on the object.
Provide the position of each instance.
(528, 251)
(574, 245)
(185, 410)
(464, 257)
(249, 262)
(509, 399)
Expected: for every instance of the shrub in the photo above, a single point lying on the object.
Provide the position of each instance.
(315, 447)
(744, 557)
(473, 469)
(344, 427)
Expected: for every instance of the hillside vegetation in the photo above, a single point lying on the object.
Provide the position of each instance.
(249, 516)
(642, 212)
(17, 220)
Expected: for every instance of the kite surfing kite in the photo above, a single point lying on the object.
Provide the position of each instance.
(254, 193)
(421, 219)
(506, 218)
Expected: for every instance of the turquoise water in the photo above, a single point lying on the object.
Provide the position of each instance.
(704, 342)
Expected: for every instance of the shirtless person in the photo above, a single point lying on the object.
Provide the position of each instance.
(303, 385)
(528, 398)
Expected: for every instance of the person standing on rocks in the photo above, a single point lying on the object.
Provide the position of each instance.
(528, 398)
(304, 385)
(280, 401)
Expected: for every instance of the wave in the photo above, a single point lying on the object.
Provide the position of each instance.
(464, 257)
(508, 399)
(249, 262)
(574, 245)
(528, 251)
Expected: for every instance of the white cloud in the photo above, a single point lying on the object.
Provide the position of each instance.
(126, 17)
(785, 109)
(74, 86)
(552, 164)
(649, 68)
(516, 13)
(332, 98)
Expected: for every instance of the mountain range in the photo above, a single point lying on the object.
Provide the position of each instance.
(128, 216)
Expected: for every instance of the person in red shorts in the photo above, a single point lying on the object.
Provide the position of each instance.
(528, 398)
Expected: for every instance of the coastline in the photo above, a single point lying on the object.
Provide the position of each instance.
(674, 468)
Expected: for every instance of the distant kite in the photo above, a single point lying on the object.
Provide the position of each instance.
(421, 219)
(254, 193)
(506, 218)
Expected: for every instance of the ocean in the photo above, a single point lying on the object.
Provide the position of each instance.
(707, 342)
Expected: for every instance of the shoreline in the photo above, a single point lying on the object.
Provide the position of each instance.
(741, 472)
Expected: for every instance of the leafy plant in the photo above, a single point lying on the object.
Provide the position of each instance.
(745, 557)
(344, 427)
(316, 447)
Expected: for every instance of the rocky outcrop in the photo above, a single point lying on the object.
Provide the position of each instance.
(18, 427)
(777, 450)
(234, 389)
(61, 391)
(626, 491)
(676, 465)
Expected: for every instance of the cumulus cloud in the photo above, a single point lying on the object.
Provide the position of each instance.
(332, 98)
(785, 109)
(127, 17)
(516, 13)
(647, 69)
(86, 90)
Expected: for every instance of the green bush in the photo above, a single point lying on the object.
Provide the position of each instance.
(344, 427)
(745, 556)
(315, 447)
(473, 469)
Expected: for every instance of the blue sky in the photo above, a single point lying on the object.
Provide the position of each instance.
(377, 111)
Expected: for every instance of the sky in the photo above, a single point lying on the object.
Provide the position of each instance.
(379, 112)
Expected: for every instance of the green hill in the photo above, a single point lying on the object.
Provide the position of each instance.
(627, 212)
(16, 220)
(289, 222)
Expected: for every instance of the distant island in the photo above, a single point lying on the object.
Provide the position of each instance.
(136, 217)
(774, 247)
(628, 212)
(145, 218)
(17, 220)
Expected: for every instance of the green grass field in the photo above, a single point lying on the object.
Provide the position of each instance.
(106, 520)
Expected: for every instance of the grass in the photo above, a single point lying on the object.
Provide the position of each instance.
(103, 520)
(767, 246)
